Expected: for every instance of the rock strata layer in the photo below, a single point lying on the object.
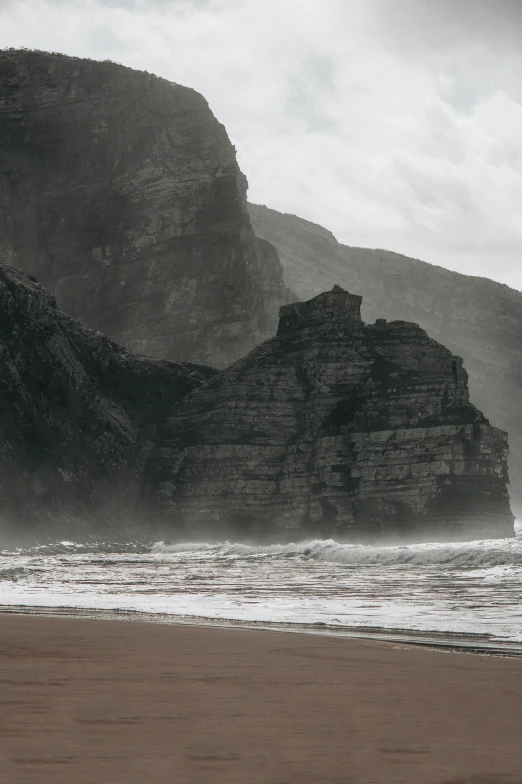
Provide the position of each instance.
(332, 427)
(477, 318)
(335, 428)
(79, 417)
(120, 191)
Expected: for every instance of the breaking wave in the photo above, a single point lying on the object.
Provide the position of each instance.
(65, 547)
(460, 555)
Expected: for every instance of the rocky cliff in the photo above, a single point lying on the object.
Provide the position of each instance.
(335, 428)
(332, 427)
(474, 317)
(121, 192)
(79, 416)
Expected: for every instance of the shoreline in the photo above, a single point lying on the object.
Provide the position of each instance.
(87, 700)
(442, 641)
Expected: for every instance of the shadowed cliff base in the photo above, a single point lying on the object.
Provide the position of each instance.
(78, 417)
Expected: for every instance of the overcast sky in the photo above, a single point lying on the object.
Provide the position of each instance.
(394, 123)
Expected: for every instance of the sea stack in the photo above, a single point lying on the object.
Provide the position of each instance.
(335, 428)
(477, 318)
(121, 193)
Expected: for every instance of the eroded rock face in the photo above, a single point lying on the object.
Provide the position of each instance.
(335, 428)
(479, 319)
(79, 417)
(121, 192)
(332, 427)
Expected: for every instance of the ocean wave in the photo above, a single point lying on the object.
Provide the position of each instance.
(66, 547)
(463, 555)
(460, 555)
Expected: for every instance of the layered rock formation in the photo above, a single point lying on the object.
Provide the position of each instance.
(331, 428)
(79, 417)
(121, 192)
(474, 317)
(335, 428)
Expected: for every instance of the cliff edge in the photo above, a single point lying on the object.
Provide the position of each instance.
(120, 191)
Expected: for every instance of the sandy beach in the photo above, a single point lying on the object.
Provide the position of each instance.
(101, 702)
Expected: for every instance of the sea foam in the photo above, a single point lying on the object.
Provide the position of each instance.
(462, 555)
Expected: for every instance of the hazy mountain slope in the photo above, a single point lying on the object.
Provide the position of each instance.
(120, 191)
(475, 318)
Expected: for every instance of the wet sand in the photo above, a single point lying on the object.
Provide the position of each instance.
(102, 702)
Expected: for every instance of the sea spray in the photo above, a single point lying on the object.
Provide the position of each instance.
(462, 555)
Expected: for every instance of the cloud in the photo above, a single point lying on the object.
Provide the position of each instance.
(394, 123)
(450, 24)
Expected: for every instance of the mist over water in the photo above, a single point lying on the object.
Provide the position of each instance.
(468, 588)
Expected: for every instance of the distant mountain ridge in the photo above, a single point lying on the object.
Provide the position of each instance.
(476, 318)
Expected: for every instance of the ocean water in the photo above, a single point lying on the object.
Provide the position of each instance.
(471, 589)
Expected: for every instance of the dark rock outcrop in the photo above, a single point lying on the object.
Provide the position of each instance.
(120, 191)
(79, 417)
(331, 427)
(474, 317)
(335, 428)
